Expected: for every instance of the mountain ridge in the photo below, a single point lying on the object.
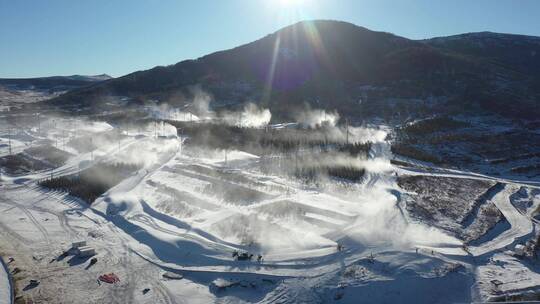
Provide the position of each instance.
(55, 83)
(325, 62)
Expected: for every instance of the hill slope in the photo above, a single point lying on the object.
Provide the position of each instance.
(336, 65)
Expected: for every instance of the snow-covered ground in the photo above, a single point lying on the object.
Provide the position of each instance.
(506, 274)
(13, 98)
(5, 285)
(186, 213)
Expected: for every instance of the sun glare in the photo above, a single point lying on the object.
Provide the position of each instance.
(290, 3)
(291, 11)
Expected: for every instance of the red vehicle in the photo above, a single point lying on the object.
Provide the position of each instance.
(110, 278)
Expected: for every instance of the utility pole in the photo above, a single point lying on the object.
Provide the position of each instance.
(70, 127)
(9, 139)
(347, 130)
(181, 146)
(55, 138)
(92, 151)
(296, 159)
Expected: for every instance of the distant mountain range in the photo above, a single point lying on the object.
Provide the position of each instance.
(52, 83)
(359, 72)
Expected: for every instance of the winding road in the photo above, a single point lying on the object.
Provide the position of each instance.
(520, 225)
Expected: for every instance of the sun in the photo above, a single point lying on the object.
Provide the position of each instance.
(290, 3)
(290, 11)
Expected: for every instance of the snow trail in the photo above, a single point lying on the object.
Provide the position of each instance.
(521, 225)
(453, 173)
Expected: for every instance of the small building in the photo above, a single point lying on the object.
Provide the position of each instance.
(244, 256)
(496, 283)
(519, 250)
(172, 276)
(85, 251)
(78, 244)
(221, 284)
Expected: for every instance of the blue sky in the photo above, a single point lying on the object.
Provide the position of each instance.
(53, 37)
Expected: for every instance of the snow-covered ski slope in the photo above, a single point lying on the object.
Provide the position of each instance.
(188, 212)
(289, 229)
